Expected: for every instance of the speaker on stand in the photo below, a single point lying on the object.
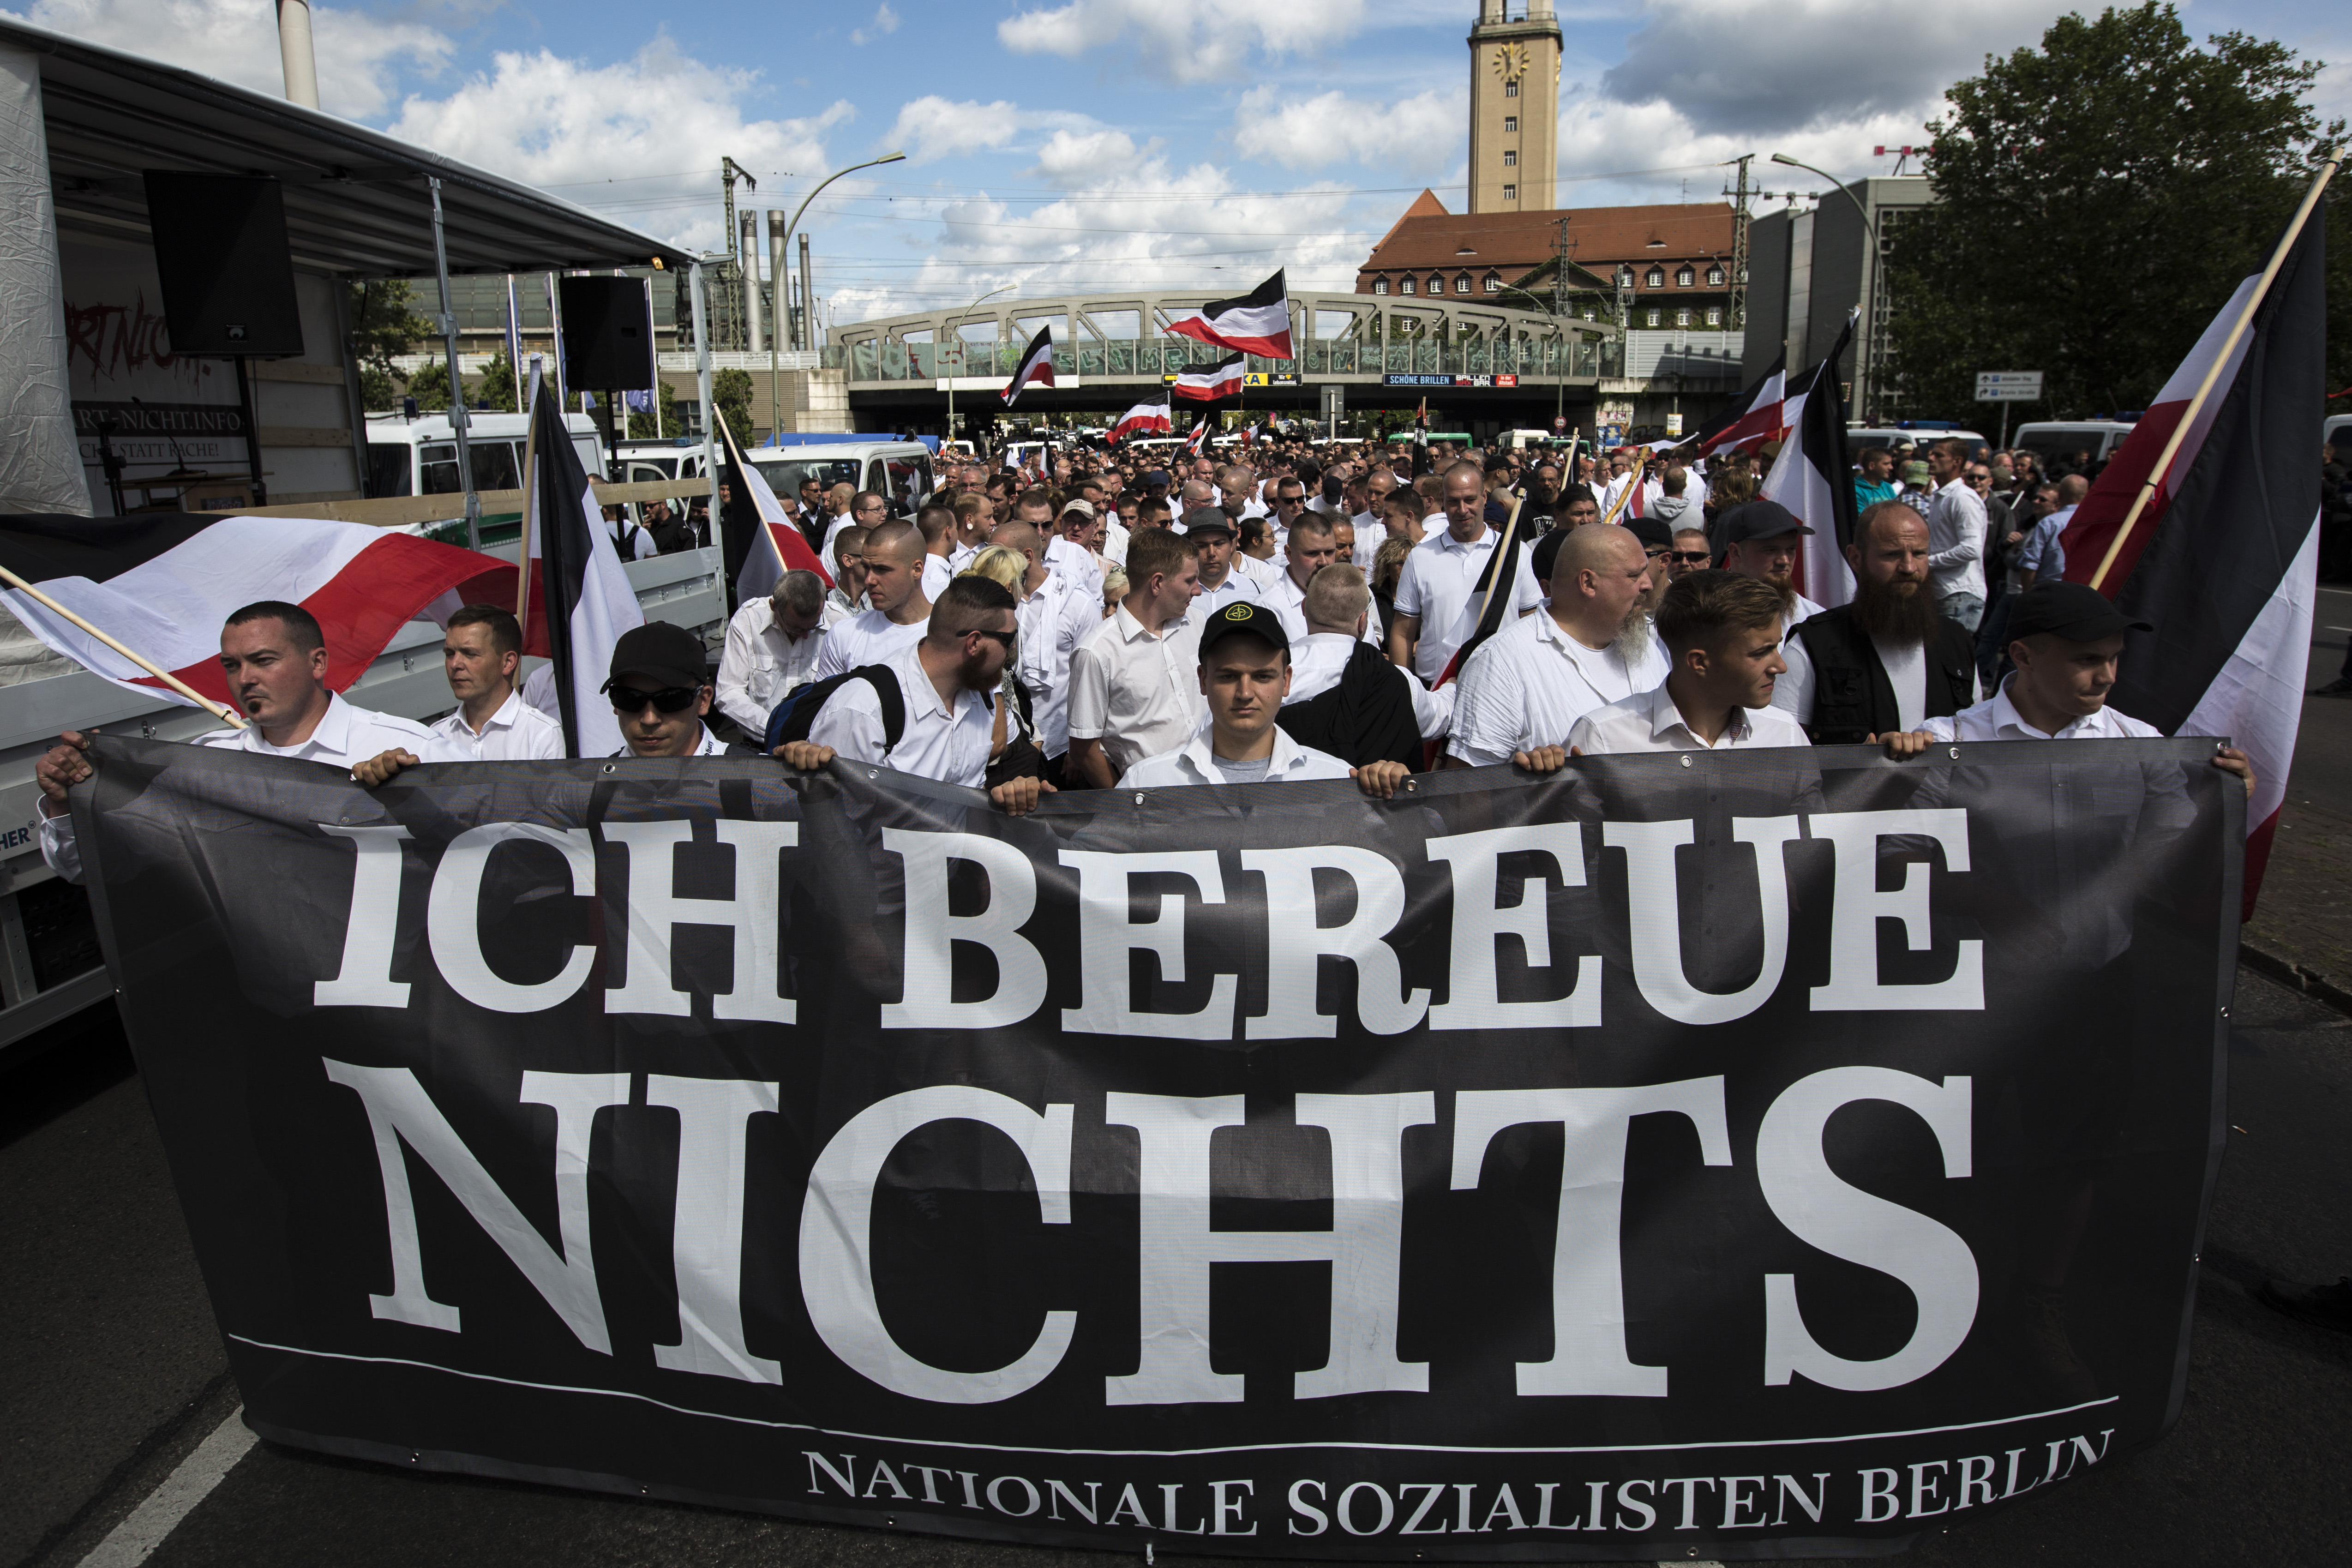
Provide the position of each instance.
(227, 274)
(607, 341)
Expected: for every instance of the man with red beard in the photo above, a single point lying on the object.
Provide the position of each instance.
(1887, 662)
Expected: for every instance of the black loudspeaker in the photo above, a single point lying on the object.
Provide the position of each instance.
(226, 269)
(608, 334)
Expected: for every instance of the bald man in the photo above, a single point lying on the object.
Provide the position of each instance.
(894, 556)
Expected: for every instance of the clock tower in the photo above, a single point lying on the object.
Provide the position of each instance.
(1514, 106)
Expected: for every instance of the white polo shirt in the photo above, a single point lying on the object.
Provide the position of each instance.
(1440, 574)
(1082, 567)
(1051, 621)
(1996, 719)
(946, 743)
(517, 733)
(1651, 721)
(346, 736)
(760, 664)
(1196, 762)
(1318, 662)
(1136, 693)
(1529, 684)
(868, 637)
(937, 570)
(1262, 573)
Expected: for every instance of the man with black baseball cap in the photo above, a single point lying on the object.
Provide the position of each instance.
(1210, 531)
(1761, 539)
(2067, 642)
(660, 692)
(1245, 675)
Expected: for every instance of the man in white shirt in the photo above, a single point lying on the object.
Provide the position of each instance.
(1053, 617)
(773, 645)
(851, 508)
(847, 596)
(480, 652)
(630, 540)
(936, 524)
(1723, 631)
(1133, 686)
(1761, 539)
(1527, 685)
(1314, 544)
(894, 587)
(1956, 535)
(1244, 673)
(274, 658)
(1073, 549)
(943, 684)
(1442, 572)
(1210, 532)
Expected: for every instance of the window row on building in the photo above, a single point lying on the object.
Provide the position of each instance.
(1435, 283)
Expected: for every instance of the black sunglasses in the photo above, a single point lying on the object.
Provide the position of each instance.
(669, 699)
(1004, 639)
(1689, 557)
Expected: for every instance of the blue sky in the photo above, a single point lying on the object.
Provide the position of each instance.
(1062, 144)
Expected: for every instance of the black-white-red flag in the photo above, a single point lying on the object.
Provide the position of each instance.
(1812, 480)
(1754, 417)
(1036, 365)
(1211, 382)
(1488, 608)
(1198, 441)
(1258, 322)
(2223, 560)
(1148, 417)
(580, 601)
(759, 537)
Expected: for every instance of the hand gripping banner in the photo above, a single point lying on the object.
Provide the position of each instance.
(1765, 1154)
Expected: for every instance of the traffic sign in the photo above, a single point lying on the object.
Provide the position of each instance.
(2008, 386)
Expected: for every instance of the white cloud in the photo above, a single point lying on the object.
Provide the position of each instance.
(613, 136)
(361, 58)
(1423, 132)
(1762, 67)
(1201, 41)
(1598, 138)
(933, 127)
(885, 21)
(1077, 159)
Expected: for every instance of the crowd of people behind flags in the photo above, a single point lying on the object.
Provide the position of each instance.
(1302, 610)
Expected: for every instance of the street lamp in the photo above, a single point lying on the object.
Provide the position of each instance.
(967, 310)
(775, 407)
(1559, 377)
(1870, 273)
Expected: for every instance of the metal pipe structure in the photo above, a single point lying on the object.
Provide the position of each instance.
(747, 248)
(808, 298)
(956, 337)
(295, 53)
(448, 326)
(780, 289)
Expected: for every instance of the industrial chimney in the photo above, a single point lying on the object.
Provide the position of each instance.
(294, 51)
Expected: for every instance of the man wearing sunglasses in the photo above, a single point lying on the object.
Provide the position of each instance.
(944, 682)
(659, 695)
(1689, 553)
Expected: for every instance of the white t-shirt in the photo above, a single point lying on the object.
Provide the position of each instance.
(868, 637)
(1529, 684)
(950, 744)
(1440, 575)
(1196, 762)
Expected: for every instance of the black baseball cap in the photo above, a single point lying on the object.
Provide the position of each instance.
(1244, 615)
(1760, 520)
(1155, 476)
(658, 652)
(2075, 611)
(1206, 519)
(1652, 532)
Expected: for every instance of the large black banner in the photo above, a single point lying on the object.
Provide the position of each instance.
(1771, 1153)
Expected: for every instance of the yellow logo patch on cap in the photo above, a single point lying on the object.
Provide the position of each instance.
(1238, 612)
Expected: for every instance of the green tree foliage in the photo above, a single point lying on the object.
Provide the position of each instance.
(732, 391)
(384, 323)
(496, 384)
(2098, 199)
(379, 393)
(430, 386)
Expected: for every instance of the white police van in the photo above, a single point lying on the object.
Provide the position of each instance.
(901, 470)
(419, 457)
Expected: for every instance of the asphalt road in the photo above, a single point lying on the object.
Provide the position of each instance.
(115, 1375)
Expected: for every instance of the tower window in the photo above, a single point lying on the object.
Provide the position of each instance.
(1380, 284)
(1510, 90)
(1510, 193)
(1656, 278)
(1686, 278)
(1510, 157)
(1510, 125)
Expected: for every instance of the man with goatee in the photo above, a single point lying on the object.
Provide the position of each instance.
(1886, 663)
(1526, 686)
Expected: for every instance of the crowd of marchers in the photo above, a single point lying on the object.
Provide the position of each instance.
(1299, 611)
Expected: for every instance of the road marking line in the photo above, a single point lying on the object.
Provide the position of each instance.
(130, 1542)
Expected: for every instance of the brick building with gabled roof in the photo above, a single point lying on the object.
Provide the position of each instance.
(1678, 256)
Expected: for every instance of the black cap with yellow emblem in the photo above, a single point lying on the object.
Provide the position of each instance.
(1244, 615)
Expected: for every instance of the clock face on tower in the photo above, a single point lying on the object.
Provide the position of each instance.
(1510, 61)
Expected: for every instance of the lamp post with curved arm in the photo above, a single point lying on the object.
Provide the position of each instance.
(1870, 272)
(1560, 378)
(775, 409)
(958, 336)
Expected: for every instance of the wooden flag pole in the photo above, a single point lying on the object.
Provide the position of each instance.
(228, 715)
(2213, 371)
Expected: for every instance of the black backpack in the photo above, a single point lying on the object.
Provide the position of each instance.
(795, 716)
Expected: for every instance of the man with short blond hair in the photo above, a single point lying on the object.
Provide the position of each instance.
(1132, 686)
